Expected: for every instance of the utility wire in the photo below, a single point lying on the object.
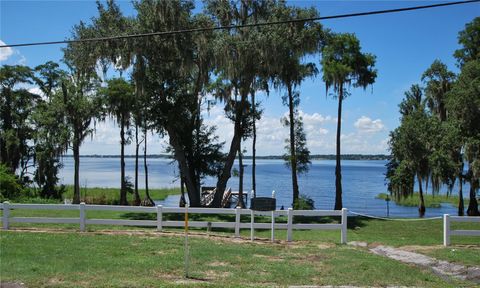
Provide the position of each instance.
(167, 33)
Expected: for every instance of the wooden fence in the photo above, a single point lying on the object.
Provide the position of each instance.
(160, 223)
(447, 232)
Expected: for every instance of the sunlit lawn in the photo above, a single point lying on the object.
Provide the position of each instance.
(92, 260)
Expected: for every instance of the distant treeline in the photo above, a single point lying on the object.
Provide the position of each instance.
(279, 157)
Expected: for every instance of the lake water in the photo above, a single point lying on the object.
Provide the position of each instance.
(362, 182)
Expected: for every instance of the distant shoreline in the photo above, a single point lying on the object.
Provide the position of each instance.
(271, 157)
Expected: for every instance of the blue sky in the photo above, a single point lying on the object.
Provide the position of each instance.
(405, 45)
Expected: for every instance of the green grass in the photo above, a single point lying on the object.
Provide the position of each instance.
(466, 256)
(431, 201)
(97, 195)
(90, 260)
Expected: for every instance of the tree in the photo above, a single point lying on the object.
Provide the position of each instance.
(463, 105)
(236, 61)
(301, 162)
(409, 146)
(438, 82)
(51, 133)
(344, 64)
(16, 107)
(176, 76)
(120, 98)
(79, 95)
(287, 69)
(470, 41)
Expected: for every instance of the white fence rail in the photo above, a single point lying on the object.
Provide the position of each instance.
(447, 232)
(160, 223)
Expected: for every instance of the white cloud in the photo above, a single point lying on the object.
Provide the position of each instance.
(5, 53)
(362, 143)
(271, 133)
(366, 125)
(37, 91)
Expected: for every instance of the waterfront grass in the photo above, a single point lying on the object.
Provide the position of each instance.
(99, 195)
(431, 201)
(90, 260)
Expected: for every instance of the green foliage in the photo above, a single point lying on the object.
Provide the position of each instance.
(302, 154)
(438, 82)
(16, 107)
(343, 63)
(470, 41)
(10, 187)
(431, 201)
(304, 203)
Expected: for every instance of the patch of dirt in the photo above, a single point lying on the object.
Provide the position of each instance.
(213, 275)
(219, 264)
(349, 286)
(12, 285)
(325, 245)
(419, 248)
(187, 281)
(55, 281)
(269, 258)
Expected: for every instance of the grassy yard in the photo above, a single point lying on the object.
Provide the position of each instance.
(431, 201)
(117, 256)
(153, 260)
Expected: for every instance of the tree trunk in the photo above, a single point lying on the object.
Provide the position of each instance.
(254, 143)
(123, 192)
(338, 168)
(472, 209)
(137, 146)
(76, 159)
(421, 208)
(234, 146)
(179, 154)
(145, 168)
(240, 182)
(461, 205)
(293, 156)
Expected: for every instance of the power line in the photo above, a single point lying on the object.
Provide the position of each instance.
(167, 33)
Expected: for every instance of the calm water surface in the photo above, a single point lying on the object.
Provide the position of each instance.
(362, 181)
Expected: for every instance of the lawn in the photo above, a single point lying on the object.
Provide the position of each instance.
(118, 256)
(153, 260)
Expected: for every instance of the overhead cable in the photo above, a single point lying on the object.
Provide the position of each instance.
(194, 30)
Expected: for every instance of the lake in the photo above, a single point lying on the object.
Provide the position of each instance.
(362, 181)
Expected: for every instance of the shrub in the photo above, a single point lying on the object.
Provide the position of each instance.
(10, 186)
(304, 203)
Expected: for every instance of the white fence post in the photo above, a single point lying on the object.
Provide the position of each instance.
(446, 230)
(159, 217)
(273, 219)
(82, 217)
(252, 222)
(344, 226)
(289, 224)
(6, 214)
(237, 222)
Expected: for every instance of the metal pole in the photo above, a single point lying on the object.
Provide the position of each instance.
(273, 219)
(186, 241)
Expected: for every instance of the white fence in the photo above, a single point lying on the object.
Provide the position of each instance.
(160, 223)
(447, 232)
